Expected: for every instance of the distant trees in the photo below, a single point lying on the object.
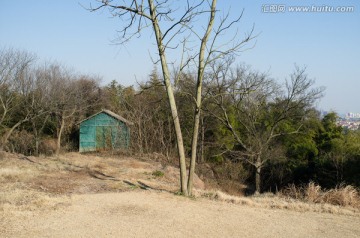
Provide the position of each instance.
(253, 129)
(323, 153)
(336, 150)
(351, 168)
(40, 98)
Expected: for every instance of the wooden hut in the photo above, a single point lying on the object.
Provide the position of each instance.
(104, 130)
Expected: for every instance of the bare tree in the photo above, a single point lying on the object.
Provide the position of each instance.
(39, 104)
(70, 96)
(143, 108)
(16, 84)
(172, 29)
(254, 109)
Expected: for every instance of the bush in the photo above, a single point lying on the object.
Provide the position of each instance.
(21, 142)
(158, 173)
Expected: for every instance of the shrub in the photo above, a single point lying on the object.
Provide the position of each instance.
(47, 146)
(21, 142)
(158, 173)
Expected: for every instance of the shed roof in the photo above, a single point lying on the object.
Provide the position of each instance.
(112, 114)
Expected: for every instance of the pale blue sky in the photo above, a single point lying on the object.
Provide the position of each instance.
(327, 43)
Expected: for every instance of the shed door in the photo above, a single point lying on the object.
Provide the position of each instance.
(103, 138)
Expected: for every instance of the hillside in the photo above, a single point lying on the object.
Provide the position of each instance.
(91, 196)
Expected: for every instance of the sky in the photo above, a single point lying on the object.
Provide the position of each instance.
(326, 43)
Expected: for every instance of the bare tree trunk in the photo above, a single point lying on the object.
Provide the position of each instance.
(171, 98)
(36, 135)
(258, 167)
(146, 140)
(58, 142)
(197, 113)
(194, 148)
(140, 140)
(170, 147)
(202, 140)
(4, 112)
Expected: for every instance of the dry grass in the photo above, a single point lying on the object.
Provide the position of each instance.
(16, 193)
(49, 182)
(343, 195)
(29, 183)
(271, 201)
(10, 174)
(30, 200)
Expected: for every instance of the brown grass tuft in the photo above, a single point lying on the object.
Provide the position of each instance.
(312, 193)
(343, 195)
(25, 199)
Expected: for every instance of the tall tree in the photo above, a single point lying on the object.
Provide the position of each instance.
(171, 29)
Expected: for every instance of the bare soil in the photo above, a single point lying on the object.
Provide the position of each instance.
(89, 196)
(159, 214)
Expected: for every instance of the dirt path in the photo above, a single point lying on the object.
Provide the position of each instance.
(152, 214)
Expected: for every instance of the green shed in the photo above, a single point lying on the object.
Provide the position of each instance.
(104, 130)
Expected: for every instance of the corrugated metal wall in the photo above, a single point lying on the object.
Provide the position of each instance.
(103, 132)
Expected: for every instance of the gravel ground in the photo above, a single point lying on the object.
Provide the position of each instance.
(161, 214)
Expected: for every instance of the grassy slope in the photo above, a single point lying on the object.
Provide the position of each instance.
(30, 183)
